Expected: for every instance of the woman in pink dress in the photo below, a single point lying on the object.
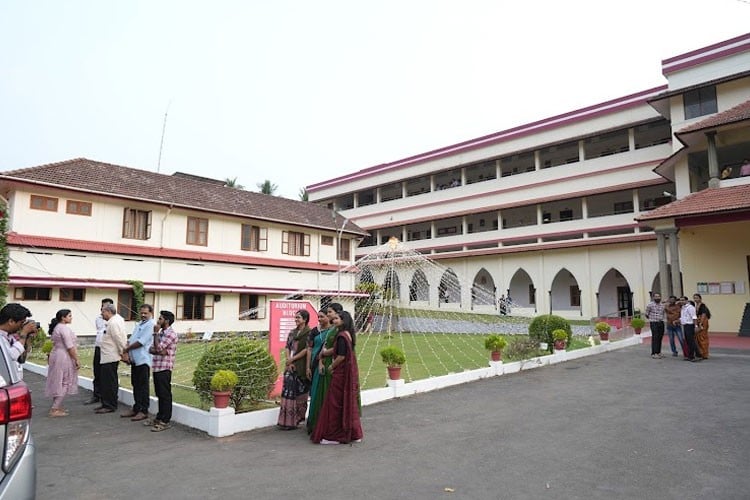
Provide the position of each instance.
(62, 371)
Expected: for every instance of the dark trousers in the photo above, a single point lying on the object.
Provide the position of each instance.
(657, 334)
(163, 390)
(97, 373)
(109, 384)
(689, 331)
(139, 378)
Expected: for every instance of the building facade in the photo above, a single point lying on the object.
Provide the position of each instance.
(81, 230)
(553, 213)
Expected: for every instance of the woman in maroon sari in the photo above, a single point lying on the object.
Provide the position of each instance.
(338, 420)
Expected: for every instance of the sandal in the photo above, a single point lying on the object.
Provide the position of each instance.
(57, 412)
(161, 426)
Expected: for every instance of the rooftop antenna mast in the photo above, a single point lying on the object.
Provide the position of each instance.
(163, 129)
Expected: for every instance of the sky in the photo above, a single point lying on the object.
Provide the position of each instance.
(298, 92)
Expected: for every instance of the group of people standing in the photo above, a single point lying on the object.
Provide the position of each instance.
(686, 321)
(321, 366)
(152, 345)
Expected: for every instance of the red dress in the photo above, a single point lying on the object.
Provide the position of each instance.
(339, 417)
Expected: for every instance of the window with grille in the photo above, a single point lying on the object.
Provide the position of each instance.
(136, 224)
(344, 248)
(575, 296)
(197, 231)
(252, 306)
(32, 293)
(293, 243)
(43, 203)
(126, 306)
(254, 238)
(195, 306)
(700, 102)
(72, 295)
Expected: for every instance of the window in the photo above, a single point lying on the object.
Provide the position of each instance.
(32, 293)
(326, 240)
(126, 306)
(78, 207)
(43, 203)
(575, 296)
(344, 248)
(72, 295)
(197, 306)
(252, 306)
(136, 224)
(254, 238)
(700, 102)
(197, 231)
(293, 243)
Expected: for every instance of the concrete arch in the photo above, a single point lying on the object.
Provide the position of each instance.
(392, 285)
(483, 288)
(419, 288)
(565, 294)
(449, 289)
(614, 294)
(521, 289)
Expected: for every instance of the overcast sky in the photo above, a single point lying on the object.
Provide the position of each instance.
(298, 92)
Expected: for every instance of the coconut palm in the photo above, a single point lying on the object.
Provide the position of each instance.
(267, 187)
(232, 183)
(303, 194)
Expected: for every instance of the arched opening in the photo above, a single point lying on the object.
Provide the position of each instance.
(521, 291)
(566, 295)
(483, 289)
(391, 286)
(614, 295)
(449, 289)
(419, 288)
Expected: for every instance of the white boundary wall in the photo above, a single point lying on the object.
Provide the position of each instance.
(224, 422)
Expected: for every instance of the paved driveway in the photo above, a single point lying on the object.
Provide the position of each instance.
(618, 425)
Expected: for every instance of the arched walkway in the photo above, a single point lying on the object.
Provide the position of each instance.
(419, 288)
(614, 295)
(392, 286)
(522, 292)
(483, 289)
(449, 289)
(566, 295)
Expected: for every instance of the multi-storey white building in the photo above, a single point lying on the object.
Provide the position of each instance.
(81, 230)
(555, 213)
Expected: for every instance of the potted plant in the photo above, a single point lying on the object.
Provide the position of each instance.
(603, 328)
(223, 383)
(394, 358)
(495, 344)
(637, 324)
(560, 338)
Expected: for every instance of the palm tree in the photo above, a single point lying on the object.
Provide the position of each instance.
(267, 187)
(232, 183)
(303, 194)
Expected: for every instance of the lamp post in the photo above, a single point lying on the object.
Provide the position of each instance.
(338, 257)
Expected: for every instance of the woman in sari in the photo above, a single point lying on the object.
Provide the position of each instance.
(62, 373)
(318, 365)
(296, 374)
(339, 420)
(701, 329)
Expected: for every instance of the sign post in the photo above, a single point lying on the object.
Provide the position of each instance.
(282, 322)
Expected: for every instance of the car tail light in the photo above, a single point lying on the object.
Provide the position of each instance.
(15, 415)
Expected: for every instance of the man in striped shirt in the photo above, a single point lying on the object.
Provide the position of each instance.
(163, 352)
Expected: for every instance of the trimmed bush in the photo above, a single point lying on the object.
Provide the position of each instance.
(637, 323)
(560, 334)
(393, 356)
(495, 342)
(224, 380)
(541, 329)
(249, 360)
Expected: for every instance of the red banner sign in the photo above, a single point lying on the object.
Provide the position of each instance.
(282, 322)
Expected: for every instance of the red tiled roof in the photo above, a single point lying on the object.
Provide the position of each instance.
(106, 179)
(739, 113)
(708, 201)
(146, 251)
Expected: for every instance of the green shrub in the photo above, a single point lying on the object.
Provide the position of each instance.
(495, 342)
(637, 323)
(520, 348)
(224, 380)
(541, 329)
(249, 360)
(38, 340)
(393, 356)
(602, 327)
(47, 347)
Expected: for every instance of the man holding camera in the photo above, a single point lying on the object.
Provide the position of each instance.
(14, 318)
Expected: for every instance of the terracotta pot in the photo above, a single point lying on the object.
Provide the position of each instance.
(559, 345)
(604, 336)
(394, 372)
(221, 398)
(496, 355)
(637, 331)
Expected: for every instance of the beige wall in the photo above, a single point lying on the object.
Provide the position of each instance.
(713, 254)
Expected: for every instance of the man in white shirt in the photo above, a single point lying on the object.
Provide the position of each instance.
(112, 348)
(688, 320)
(14, 318)
(101, 325)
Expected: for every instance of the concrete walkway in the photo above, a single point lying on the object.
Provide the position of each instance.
(615, 426)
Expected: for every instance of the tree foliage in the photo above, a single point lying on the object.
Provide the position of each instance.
(267, 187)
(232, 183)
(541, 328)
